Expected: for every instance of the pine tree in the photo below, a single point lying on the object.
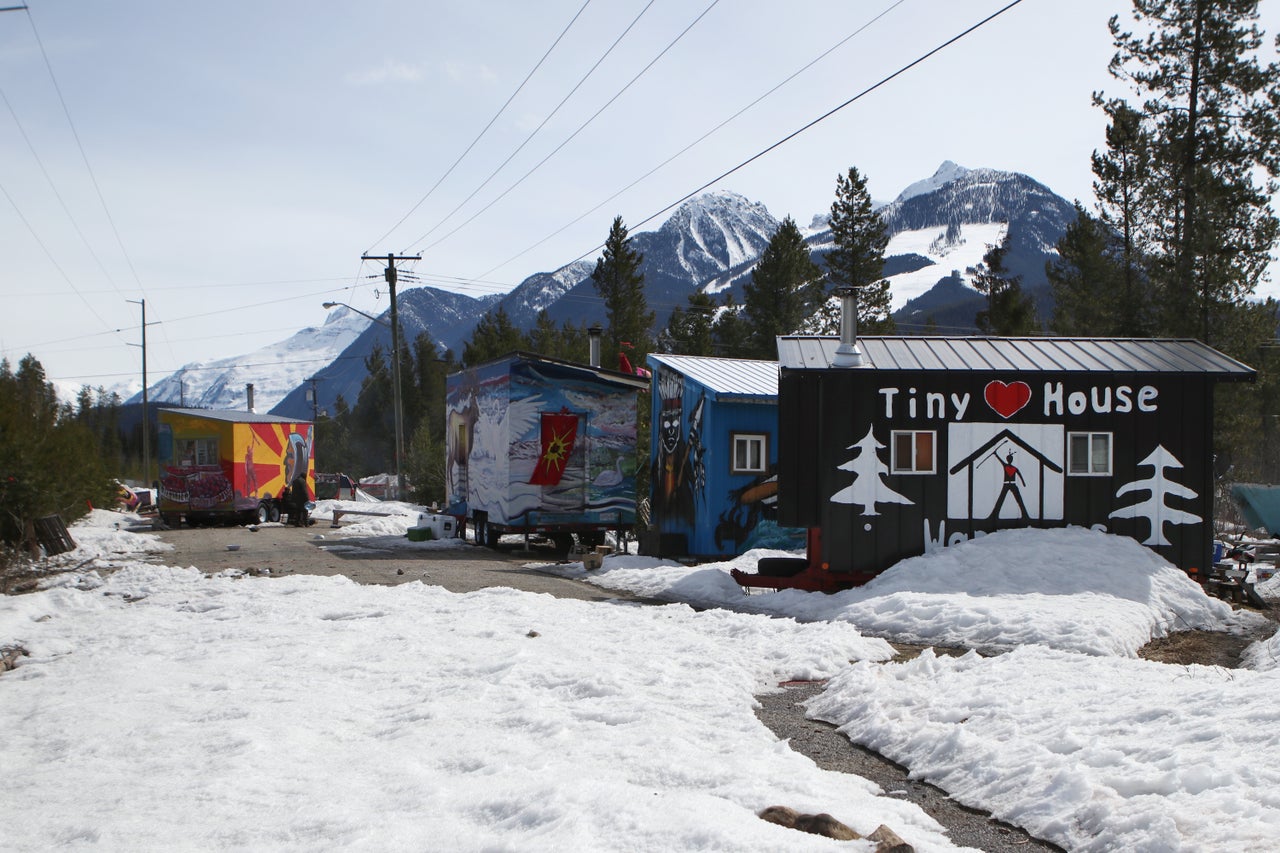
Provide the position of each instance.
(857, 258)
(786, 287)
(620, 283)
(1210, 118)
(730, 331)
(50, 462)
(493, 337)
(1009, 311)
(1086, 282)
(1122, 185)
(690, 332)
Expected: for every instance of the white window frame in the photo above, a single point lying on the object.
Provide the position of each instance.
(1090, 435)
(738, 439)
(912, 465)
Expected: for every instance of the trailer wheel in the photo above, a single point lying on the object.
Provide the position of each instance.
(273, 513)
(563, 543)
(491, 537)
(264, 513)
(781, 567)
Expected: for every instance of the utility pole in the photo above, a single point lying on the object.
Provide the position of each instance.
(315, 401)
(391, 277)
(146, 421)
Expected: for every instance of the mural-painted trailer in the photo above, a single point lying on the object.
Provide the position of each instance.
(225, 466)
(539, 446)
(931, 441)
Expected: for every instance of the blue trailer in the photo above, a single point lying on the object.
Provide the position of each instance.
(541, 446)
(713, 456)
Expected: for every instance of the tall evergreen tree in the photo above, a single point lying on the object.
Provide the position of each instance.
(857, 258)
(50, 462)
(1087, 283)
(1211, 118)
(689, 332)
(785, 288)
(1009, 311)
(1122, 186)
(730, 331)
(620, 283)
(494, 336)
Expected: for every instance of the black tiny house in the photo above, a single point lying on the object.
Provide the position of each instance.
(890, 447)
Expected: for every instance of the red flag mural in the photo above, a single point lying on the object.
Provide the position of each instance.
(559, 432)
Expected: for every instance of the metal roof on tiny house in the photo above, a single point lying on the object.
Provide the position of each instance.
(728, 379)
(1040, 354)
(637, 382)
(235, 417)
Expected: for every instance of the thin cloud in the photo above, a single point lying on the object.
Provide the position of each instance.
(388, 72)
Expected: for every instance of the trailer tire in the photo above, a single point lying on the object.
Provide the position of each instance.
(273, 513)
(781, 567)
(491, 537)
(563, 543)
(264, 513)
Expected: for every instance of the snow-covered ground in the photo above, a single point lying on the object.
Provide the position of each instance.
(162, 709)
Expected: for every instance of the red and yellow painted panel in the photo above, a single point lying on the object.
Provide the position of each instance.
(210, 465)
(269, 457)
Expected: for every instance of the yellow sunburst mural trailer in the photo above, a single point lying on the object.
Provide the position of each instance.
(223, 465)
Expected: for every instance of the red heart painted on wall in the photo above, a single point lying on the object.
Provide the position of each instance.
(1007, 400)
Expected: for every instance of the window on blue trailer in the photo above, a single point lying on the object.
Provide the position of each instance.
(913, 451)
(1089, 454)
(750, 453)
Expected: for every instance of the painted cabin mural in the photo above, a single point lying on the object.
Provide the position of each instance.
(713, 455)
(540, 445)
(933, 441)
(223, 463)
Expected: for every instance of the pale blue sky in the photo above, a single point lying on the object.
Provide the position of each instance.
(249, 153)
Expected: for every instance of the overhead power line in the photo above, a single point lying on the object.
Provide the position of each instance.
(537, 129)
(486, 128)
(581, 127)
(828, 114)
(697, 141)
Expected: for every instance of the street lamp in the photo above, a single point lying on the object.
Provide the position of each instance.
(397, 405)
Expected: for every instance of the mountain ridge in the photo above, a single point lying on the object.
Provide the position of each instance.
(939, 229)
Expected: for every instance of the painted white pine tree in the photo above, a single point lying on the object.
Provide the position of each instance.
(1159, 489)
(868, 487)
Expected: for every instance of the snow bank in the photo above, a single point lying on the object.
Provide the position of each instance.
(1092, 753)
(1072, 588)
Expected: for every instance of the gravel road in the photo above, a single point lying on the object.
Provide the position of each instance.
(278, 550)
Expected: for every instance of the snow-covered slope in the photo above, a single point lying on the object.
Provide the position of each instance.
(963, 251)
(273, 370)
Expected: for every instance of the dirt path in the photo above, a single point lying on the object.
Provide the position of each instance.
(279, 550)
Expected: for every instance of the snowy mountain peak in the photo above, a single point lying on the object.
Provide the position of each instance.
(273, 370)
(717, 231)
(945, 174)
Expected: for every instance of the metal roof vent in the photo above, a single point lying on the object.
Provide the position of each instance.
(848, 354)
